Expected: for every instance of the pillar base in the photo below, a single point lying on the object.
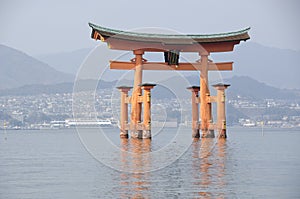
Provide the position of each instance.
(124, 134)
(208, 133)
(146, 134)
(222, 134)
(136, 134)
(195, 133)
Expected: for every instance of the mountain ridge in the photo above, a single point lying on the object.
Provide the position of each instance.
(18, 69)
(273, 66)
(240, 86)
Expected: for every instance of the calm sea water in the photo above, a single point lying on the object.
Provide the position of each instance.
(55, 164)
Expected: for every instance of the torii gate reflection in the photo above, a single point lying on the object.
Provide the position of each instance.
(171, 45)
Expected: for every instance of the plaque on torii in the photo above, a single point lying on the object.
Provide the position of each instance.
(170, 45)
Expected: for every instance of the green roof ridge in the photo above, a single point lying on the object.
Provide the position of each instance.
(154, 35)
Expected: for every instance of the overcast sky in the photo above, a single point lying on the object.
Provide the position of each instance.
(38, 27)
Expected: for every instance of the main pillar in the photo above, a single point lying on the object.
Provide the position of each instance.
(195, 110)
(147, 109)
(205, 105)
(221, 114)
(124, 111)
(136, 106)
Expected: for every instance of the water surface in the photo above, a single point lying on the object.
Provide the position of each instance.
(54, 164)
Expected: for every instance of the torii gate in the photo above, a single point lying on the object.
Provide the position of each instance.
(171, 45)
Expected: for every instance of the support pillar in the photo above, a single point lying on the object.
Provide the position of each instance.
(221, 114)
(205, 106)
(195, 111)
(210, 121)
(124, 111)
(147, 110)
(136, 106)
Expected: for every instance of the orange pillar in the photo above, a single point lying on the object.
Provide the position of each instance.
(195, 111)
(147, 109)
(205, 106)
(221, 114)
(136, 106)
(124, 111)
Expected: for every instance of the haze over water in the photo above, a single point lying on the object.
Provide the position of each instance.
(54, 164)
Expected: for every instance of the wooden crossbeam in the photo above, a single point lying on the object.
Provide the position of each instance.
(119, 65)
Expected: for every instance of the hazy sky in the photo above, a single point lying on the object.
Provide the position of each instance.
(37, 26)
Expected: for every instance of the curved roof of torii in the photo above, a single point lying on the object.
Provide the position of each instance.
(125, 40)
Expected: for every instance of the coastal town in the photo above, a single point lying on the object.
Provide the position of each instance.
(55, 111)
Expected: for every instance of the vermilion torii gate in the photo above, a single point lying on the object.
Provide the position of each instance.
(171, 45)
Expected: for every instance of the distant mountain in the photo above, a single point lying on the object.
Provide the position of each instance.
(19, 69)
(247, 87)
(67, 87)
(276, 67)
(273, 66)
(170, 88)
(240, 86)
(68, 62)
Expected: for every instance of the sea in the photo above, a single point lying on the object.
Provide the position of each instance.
(96, 163)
